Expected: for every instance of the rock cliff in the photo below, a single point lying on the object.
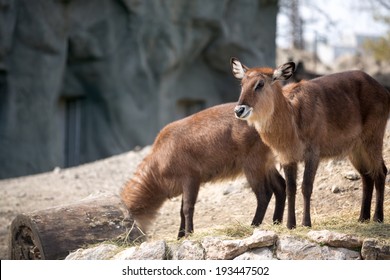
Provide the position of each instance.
(83, 80)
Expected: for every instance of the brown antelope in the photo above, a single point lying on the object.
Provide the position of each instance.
(208, 146)
(338, 114)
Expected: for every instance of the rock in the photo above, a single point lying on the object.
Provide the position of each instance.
(148, 61)
(294, 248)
(56, 170)
(335, 189)
(290, 248)
(373, 250)
(230, 188)
(100, 252)
(260, 238)
(219, 249)
(265, 253)
(189, 250)
(259, 246)
(335, 239)
(155, 250)
(351, 175)
(126, 254)
(340, 254)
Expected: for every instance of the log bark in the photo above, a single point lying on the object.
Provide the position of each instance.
(53, 233)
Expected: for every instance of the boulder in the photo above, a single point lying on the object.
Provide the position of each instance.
(218, 248)
(372, 249)
(155, 250)
(100, 252)
(335, 239)
(294, 248)
(265, 253)
(188, 250)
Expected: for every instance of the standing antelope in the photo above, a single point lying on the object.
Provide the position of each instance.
(338, 114)
(208, 146)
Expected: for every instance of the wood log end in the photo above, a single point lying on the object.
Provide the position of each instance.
(54, 232)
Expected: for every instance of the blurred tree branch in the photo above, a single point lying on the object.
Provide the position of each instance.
(380, 48)
(384, 3)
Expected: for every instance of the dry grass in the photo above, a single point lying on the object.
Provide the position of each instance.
(345, 222)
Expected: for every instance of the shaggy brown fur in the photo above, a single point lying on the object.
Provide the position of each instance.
(208, 146)
(335, 115)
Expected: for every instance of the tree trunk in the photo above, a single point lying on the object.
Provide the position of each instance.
(53, 233)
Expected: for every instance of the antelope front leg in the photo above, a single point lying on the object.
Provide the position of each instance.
(290, 171)
(311, 165)
(263, 196)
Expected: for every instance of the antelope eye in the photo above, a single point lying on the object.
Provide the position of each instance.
(259, 85)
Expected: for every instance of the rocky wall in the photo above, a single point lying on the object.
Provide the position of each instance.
(261, 245)
(83, 80)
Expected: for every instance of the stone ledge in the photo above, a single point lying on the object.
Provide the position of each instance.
(262, 244)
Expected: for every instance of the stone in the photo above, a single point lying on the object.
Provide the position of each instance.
(57, 170)
(260, 238)
(155, 250)
(126, 254)
(331, 253)
(351, 175)
(294, 248)
(373, 250)
(335, 189)
(217, 248)
(335, 239)
(189, 250)
(100, 252)
(264, 253)
(220, 248)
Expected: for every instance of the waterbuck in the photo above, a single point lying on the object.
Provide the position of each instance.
(208, 146)
(334, 115)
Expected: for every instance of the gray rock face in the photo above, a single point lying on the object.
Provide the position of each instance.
(82, 80)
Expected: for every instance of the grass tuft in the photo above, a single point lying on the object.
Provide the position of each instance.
(236, 230)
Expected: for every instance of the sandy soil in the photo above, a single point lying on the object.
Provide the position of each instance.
(218, 204)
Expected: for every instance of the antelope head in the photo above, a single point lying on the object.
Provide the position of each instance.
(258, 87)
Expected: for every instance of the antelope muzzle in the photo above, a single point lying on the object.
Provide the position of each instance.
(243, 112)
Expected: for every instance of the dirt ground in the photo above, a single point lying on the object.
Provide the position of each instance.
(218, 204)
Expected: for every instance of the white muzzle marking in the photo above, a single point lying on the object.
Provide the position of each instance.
(243, 112)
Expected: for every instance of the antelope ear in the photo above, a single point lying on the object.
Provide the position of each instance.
(238, 69)
(284, 72)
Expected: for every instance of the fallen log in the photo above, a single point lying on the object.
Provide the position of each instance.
(53, 233)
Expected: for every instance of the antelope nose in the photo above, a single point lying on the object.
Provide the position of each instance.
(239, 110)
